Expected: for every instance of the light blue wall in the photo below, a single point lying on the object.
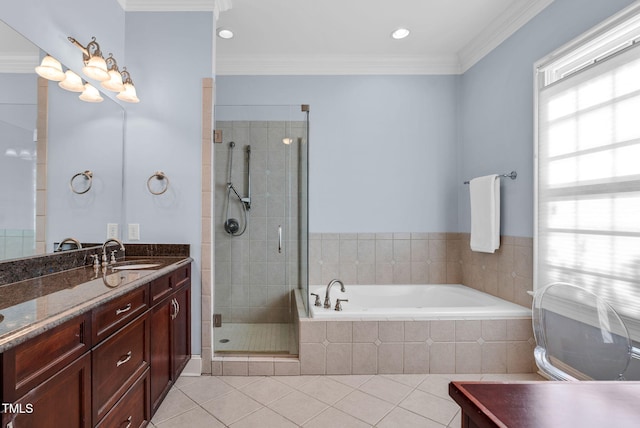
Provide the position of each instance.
(83, 136)
(382, 148)
(171, 53)
(496, 107)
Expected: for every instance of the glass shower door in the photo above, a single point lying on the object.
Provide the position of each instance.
(257, 227)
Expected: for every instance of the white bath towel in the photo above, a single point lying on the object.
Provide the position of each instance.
(485, 213)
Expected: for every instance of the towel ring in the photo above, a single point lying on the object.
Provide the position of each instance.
(158, 175)
(88, 176)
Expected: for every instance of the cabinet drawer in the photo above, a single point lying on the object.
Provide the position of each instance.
(32, 362)
(116, 313)
(181, 275)
(133, 408)
(117, 363)
(161, 288)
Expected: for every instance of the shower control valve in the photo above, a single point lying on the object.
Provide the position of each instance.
(318, 302)
(338, 305)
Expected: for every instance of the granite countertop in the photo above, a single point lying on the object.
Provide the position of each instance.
(33, 306)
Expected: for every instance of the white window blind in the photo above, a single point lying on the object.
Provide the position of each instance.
(588, 180)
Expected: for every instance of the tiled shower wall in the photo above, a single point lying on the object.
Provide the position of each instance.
(423, 258)
(250, 274)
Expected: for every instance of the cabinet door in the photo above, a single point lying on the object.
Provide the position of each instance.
(181, 331)
(160, 346)
(63, 400)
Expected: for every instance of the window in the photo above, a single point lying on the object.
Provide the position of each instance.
(587, 228)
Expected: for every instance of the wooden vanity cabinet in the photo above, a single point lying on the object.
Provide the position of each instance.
(171, 337)
(109, 367)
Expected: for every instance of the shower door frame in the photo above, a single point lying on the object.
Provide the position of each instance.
(295, 273)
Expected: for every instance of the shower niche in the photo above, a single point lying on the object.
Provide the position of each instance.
(260, 226)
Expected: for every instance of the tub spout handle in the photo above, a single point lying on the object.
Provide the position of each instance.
(318, 302)
(338, 305)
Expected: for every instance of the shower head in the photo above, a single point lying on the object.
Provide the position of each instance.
(232, 144)
(248, 149)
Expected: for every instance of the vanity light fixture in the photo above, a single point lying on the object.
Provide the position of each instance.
(51, 69)
(129, 92)
(115, 78)
(72, 82)
(400, 33)
(106, 72)
(95, 66)
(287, 140)
(90, 94)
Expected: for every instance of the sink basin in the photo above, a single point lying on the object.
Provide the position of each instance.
(136, 266)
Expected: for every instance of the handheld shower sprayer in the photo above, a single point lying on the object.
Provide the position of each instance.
(232, 225)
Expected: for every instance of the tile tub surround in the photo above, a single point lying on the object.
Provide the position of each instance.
(423, 258)
(409, 347)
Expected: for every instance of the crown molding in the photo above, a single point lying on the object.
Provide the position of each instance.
(334, 65)
(510, 21)
(168, 5)
(18, 63)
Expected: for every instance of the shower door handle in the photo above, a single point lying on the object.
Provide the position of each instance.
(279, 239)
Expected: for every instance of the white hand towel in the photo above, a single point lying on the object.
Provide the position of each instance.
(485, 213)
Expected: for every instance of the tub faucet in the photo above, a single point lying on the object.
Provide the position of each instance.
(104, 249)
(71, 240)
(327, 302)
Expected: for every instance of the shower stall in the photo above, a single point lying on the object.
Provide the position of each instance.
(261, 226)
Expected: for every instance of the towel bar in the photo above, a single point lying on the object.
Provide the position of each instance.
(512, 175)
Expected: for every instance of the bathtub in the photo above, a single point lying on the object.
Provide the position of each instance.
(419, 302)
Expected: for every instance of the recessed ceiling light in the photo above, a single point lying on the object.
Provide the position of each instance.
(400, 33)
(225, 33)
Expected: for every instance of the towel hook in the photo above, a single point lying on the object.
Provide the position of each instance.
(160, 176)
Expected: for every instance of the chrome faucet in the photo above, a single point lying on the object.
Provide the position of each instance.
(71, 240)
(327, 302)
(104, 249)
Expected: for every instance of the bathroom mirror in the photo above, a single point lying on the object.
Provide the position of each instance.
(79, 137)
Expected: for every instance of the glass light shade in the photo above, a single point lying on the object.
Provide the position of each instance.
(50, 68)
(12, 153)
(90, 94)
(114, 83)
(25, 154)
(287, 140)
(129, 94)
(72, 82)
(96, 68)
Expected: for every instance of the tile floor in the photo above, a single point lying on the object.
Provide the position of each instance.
(315, 401)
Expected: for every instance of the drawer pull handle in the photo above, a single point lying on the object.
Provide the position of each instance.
(124, 359)
(123, 310)
(128, 422)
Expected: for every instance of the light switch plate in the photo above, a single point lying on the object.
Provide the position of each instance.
(134, 232)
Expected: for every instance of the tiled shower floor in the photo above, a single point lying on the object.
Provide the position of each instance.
(316, 401)
(254, 338)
